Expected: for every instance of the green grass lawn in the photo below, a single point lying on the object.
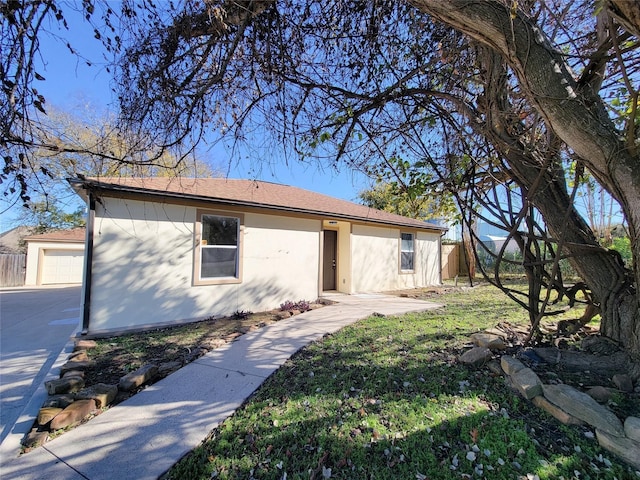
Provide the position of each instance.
(386, 399)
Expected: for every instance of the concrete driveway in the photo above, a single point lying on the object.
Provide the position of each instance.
(35, 326)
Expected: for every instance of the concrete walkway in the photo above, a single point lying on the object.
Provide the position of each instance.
(144, 436)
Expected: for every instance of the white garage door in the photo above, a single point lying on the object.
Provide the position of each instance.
(62, 266)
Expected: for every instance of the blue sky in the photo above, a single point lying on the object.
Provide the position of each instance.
(70, 83)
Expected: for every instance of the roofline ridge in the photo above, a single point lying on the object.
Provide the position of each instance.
(136, 184)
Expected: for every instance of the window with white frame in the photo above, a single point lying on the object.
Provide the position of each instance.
(219, 248)
(406, 251)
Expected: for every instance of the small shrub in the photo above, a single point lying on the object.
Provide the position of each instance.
(241, 314)
(301, 305)
(287, 306)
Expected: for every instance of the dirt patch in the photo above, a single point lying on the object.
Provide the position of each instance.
(168, 348)
(171, 348)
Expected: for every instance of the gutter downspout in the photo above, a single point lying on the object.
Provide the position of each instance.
(88, 262)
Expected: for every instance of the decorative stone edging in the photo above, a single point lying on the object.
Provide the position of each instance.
(70, 402)
(565, 403)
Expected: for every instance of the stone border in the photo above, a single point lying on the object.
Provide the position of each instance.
(565, 403)
(69, 403)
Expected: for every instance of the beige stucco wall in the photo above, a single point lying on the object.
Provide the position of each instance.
(143, 265)
(428, 253)
(35, 251)
(375, 260)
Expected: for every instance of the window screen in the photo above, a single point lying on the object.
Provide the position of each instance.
(219, 246)
(406, 251)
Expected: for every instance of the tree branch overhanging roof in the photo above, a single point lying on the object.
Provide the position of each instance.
(246, 193)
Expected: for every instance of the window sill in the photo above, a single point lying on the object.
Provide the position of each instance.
(217, 281)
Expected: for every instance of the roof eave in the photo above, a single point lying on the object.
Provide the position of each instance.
(52, 240)
(83, 185)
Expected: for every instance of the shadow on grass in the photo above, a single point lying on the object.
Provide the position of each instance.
(385, 405)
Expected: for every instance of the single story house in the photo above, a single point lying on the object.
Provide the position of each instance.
(55, 258)
(167, 250)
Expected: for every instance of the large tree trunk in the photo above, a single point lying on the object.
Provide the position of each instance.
(579, 118)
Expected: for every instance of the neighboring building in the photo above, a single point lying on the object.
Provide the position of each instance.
(11, 241)
(55, 258)
(12, 256)
(162, 250)
(453, 233)
(495, 243)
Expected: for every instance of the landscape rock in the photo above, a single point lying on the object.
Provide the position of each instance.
(632, 428)
(599, 394)
(46, 414)
(476, 356)
(623, 382)
(582, 406)
(102, 393)
(64, 385)
(216, 343)
(71, 365)
(73, 414)
(527, 383)
(195, 354)
(73, 373)
(510, 364)
(85, 344)
(530, 356)
(325, 301)
(79, 356)
(599, 345)
(497, 332)
(495, 368)
(168, 367)
(232, 336)
(59, 401)
(623, 447)
(488, 340)
(139, 377)
(35, 438)
(555, 411)
(581, 361)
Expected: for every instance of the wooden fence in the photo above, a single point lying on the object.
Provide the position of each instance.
(12, 270)
(453, 261)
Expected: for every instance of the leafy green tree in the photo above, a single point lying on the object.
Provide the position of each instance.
(46, 215)
(393, 198)
(623, 246)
